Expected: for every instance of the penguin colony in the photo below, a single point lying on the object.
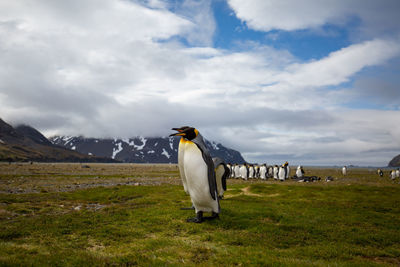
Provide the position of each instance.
(255, 171)
(204, 178)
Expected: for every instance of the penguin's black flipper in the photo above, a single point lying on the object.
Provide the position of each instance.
(212, 182)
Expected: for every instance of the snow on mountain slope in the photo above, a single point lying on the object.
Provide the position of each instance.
(140, 149)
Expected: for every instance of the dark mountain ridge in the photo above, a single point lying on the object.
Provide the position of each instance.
(24, 143)
(395, 162)
(140, 149)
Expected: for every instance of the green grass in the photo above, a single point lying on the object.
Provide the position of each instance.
(261, 223)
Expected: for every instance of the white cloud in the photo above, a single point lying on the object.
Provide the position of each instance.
(340, 65)
(286, 15)
(117, 68)
(376, 17)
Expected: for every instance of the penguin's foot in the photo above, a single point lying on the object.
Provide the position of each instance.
(214, 215)
(221, 197)
(197, 219)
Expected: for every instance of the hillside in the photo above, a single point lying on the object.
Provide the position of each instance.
(395, 162)
(24, 143)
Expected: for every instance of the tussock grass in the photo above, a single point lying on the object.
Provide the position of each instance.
(352, 221)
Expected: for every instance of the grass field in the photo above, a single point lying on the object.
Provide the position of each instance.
(128, 214)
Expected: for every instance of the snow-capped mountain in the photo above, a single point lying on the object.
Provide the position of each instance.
(140, 149)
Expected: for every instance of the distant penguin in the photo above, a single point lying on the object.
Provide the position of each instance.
(287, 169)
(233, 171)
(344, 170)
(380, 172)
(393, 174)
(237, 171)
(270, 172)
(329, 179)
(199, 173)
(244, 172)
(282, 173)
(230, 169)
(251, 171)
(257, 171)
(398, 173)
(222, 172)
(299, 172)
(263, 172)
(275, 172)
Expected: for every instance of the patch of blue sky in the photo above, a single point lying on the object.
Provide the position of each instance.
(344, 85)
(310, 44)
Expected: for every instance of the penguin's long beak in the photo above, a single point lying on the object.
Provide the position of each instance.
(177, 134)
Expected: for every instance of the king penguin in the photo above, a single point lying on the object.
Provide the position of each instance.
(237, 171)
(282, 173)
(222, 173)
(198, 170)
(244, 171)
(251, 171)
(393, 174)
(287, 170)
(263, 172)
(270, 172)
(275, 172)
(299, 172)
(344, 170)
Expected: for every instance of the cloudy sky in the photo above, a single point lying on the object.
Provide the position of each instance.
(312, 82)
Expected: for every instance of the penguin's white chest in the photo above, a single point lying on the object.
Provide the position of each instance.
(237, 172)
(243, 172)
(281, 173)
(263, 172)
(181, 153)
(196, 173)
(276, 172)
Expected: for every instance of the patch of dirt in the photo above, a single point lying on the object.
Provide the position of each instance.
(246, 191)
(273, 195)
(390, 260)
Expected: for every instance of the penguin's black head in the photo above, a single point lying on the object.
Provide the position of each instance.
(187, 132)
